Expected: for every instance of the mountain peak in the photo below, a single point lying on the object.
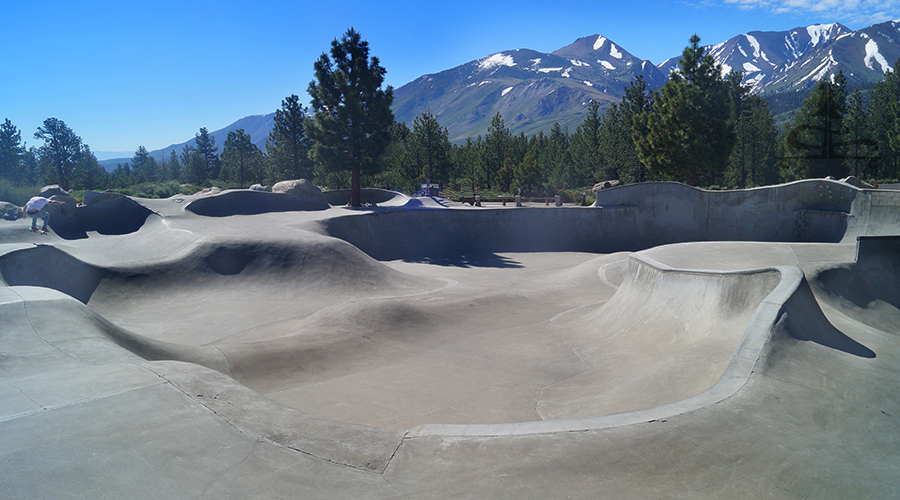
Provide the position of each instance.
(591, 48)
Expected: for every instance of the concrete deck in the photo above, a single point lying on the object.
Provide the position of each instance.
(665, 343)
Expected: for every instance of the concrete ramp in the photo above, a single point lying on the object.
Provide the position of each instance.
(686, 327)
(867, 290)
(368, 196)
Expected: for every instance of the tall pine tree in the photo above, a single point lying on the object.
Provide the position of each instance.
(351, 124)
(689, 132)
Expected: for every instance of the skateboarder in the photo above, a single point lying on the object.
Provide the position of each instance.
(36, 208)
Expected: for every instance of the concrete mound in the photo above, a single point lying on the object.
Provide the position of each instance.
(251, 202)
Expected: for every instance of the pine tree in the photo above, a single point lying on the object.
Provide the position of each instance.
(208, 151)
(815, 139)
(689, 133)
(860, 151)
(194, 166)
(429, 148)
(287, 145)
(495, 150)
(138, 164)
(11, 151)
(242, 161)
(62, 149)
(350, 127)
(884, 123)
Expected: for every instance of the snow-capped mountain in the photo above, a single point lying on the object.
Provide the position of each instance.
(797, 59)
(534, 90)
(530, 89)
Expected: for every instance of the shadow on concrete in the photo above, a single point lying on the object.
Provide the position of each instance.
(246, 202)
(469, 261)
(48, 267)
(805, 321)
(116, 216)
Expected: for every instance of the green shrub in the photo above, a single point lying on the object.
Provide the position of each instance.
(17, 195)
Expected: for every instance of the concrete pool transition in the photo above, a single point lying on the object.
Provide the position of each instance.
(667, 342)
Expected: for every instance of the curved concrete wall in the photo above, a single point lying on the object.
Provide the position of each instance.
(247, 202)
(628, 218)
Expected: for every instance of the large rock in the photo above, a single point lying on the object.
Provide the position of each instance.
(605, 185)
(9, 211)
(259, 187)
(69, 210)
(299, 187)
(51, 190)
(853, 181)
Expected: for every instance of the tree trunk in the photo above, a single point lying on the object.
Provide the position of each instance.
(355, 188)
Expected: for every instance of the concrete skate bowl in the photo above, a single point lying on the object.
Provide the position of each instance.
(627, 218)
(213, 294)
(115, 216)
(248, 202)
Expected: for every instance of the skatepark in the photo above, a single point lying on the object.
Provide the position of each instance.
(666, 342)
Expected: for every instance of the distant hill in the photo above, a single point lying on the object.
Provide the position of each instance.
(258, 126)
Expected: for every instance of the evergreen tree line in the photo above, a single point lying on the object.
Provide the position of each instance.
(699, 128)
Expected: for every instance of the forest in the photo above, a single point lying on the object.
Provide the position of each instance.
(699, 128)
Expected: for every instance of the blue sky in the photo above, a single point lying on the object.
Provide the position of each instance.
(129, 74)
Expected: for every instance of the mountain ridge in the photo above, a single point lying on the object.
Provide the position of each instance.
(532, 90)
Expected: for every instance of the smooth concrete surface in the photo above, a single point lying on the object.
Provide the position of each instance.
(255, 347)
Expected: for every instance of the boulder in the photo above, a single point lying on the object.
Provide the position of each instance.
(259, 187)
(210, 191)
(51, 190)
(299, 187)
(68, 210)
(853, 181)
(605, 185)
(9, 211)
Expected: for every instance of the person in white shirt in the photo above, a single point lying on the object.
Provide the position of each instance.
(36, 208)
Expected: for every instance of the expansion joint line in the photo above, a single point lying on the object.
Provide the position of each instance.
(33, 329)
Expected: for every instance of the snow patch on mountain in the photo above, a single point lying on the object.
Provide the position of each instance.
(755, 44)
(576, 62)
(749, 67)
(505, 91)
(589, 84)
(819, 33)
(873, 55)
(821, 70)
(606, 64)
(614, 52)
(548, 70)
(599, 42)
(498, 59)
